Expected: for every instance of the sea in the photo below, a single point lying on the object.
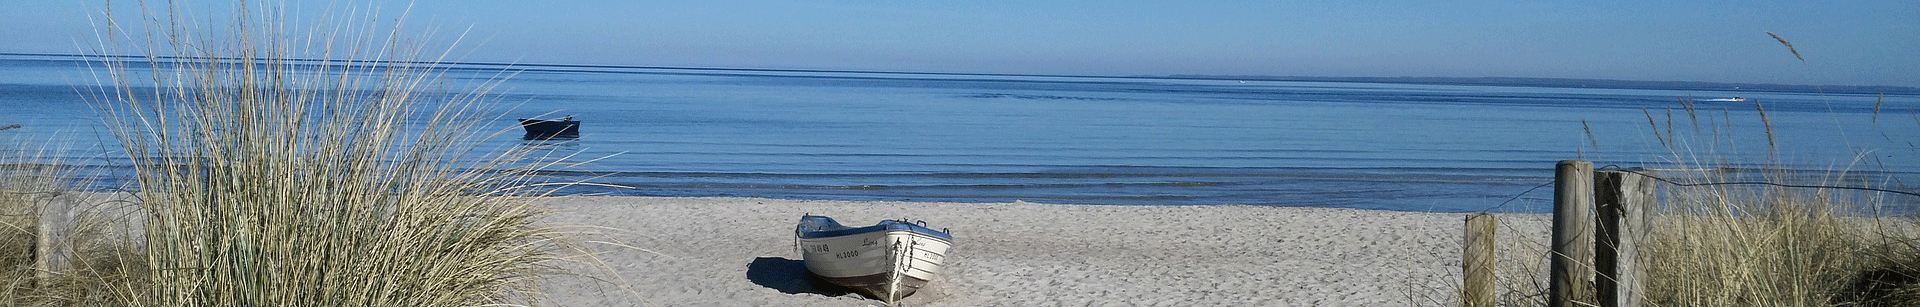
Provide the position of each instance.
(889, 136)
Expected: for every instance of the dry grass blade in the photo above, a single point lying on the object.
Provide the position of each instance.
(1784, 42)
(1773, 147)
(1589, 131)
(1876, 107)
(1662, 137)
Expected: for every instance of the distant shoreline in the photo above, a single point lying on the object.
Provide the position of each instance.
(1585, 83)
(1472, 81)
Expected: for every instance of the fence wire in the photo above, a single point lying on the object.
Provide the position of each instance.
(1697, 184)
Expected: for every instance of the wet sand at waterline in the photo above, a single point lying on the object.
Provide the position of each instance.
(740, 252)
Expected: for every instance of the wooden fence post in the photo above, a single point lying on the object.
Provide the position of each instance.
(53, 234)
(43, 244)
(1478, 262)
(1623, 199)
(1571, 261)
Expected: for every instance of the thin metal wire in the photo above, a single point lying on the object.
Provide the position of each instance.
(1517, 196)
(1696, 184)
(1766, 183)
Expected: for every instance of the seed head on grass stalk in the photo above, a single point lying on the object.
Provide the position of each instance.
(332, 164)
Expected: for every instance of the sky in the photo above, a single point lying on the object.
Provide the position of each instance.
(1869, 42)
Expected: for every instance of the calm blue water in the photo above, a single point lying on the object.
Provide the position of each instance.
(927, 137)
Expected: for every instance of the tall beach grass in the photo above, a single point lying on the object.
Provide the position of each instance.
(1750, 233)
(59, 244)
(1709, 243)
(1773, 245)
(30, 179)
(322, 164)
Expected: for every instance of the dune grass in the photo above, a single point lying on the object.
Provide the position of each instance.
(1721, 246)
(59, 245)
(281, 164)
(28, 182)
(1768, 245)
(1713, 244)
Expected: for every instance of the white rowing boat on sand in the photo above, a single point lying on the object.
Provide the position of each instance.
(887, 261)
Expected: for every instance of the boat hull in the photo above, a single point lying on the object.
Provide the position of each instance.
(887, 261)
(551, 127)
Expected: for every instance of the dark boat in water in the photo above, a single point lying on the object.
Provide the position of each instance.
(548, 128)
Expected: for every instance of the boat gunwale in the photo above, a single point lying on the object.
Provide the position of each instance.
(829, 228)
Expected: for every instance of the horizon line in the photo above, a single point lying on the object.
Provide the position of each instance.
(1349, 79)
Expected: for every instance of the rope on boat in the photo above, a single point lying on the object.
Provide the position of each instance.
(893, 272)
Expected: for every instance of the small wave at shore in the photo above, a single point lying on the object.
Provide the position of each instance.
(1403, 189)
(1111, 185)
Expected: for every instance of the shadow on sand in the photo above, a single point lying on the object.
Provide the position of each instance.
(789, 276)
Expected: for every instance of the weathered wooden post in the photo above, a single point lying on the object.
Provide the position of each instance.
(1622, 199)
(43, 244)
(1478, 262)
(1571, 261)
(53, 234)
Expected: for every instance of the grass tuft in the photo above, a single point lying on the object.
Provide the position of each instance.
(281, 164)
(28, 182)
(1738, 246)
(1764, 245)
(58, 245)
(1713, 244)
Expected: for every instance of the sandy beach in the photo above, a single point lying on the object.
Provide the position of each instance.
(740, 252)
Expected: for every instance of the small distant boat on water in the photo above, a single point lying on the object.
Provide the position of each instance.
(1734, 99)
(887, 261)
(564, 126)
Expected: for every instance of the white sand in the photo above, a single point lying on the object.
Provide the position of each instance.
(739, 252)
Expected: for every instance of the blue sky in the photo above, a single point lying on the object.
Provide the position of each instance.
(1875, 42)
